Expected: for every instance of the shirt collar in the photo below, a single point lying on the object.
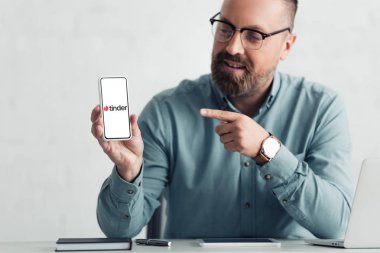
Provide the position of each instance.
(225, 104)
(274, 89)
(221, 99)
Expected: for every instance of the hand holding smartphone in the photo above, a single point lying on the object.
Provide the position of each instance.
(113, 128)
(114, 104)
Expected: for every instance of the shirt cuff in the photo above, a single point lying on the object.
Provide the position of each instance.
(122, 189)
(280, 168)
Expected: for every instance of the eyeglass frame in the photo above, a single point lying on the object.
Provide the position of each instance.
(241, 30)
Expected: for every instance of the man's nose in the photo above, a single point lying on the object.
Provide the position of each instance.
(234, 45)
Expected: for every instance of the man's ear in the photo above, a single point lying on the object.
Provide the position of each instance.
(290, 40)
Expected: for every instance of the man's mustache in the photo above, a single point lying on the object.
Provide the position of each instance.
(220, 57)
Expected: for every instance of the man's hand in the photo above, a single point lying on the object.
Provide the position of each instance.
(127, 155)
(238, 132)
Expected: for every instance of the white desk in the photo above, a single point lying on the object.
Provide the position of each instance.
(182, 246)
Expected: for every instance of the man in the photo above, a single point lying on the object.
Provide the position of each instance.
(244, 152)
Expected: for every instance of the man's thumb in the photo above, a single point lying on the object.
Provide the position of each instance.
(134, 126)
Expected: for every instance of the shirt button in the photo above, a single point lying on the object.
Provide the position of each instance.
(130, 191)
(247, 163)
(247, 205)
(284, 201)
(126, 216)
(268, 177)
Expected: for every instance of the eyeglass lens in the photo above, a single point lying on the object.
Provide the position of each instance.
(224, 32)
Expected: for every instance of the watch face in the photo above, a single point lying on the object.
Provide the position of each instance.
(271, 147)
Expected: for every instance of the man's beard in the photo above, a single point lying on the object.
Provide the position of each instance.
(238, 86)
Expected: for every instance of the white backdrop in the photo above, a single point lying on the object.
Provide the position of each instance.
(53, 51)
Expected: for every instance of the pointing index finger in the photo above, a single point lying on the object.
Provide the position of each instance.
(219, 114)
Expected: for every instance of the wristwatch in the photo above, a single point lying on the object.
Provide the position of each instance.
(269, 149)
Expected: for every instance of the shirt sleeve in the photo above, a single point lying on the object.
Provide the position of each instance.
(117, 200)
(315, 187)
(125, 208)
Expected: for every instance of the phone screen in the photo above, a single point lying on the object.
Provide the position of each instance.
(115, 108)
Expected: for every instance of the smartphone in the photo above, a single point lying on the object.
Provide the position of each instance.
(114, 105)
(236, 242)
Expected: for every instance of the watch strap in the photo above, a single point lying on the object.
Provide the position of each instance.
(261, 159)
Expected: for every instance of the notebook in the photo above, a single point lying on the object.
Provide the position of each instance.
(363, 230)
(89, 244)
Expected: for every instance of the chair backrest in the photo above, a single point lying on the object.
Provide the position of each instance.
(157, 224)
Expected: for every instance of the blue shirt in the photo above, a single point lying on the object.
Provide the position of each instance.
(212, 192)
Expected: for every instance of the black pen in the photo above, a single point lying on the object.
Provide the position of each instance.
(153, 242)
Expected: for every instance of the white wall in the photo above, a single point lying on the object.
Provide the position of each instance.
(53, 51)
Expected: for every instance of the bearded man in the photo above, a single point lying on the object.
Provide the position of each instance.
(245, 151)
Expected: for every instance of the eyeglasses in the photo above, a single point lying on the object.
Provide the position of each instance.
(223, 31)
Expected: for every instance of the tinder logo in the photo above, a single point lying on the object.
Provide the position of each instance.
(115, 108)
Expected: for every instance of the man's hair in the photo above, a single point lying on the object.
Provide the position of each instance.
(292, 5)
